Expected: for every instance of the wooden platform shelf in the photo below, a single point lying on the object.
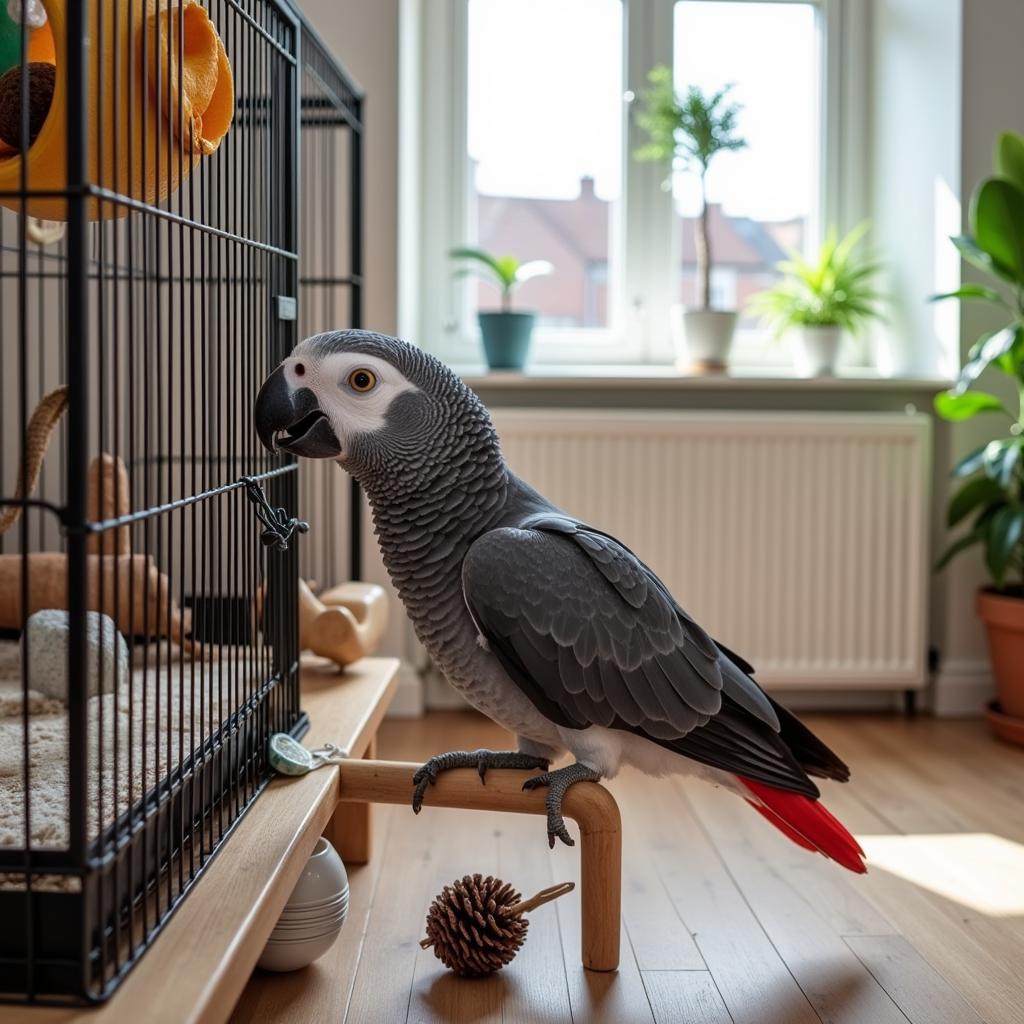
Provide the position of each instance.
(203, 958)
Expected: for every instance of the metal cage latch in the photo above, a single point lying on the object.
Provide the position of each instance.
(279, 525)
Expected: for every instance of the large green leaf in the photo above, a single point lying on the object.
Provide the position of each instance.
(972, 291)
(952, 406)
(1010, 461)
(1001, 458)
(976, 256)
(970, 463)
(973, 494)
(1010, 158)
(988, 349)
(969, 539)
(1003, 538)
(997, 219)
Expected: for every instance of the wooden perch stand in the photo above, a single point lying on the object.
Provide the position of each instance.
(589, 804)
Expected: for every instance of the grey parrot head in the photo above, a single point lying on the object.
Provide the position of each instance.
(384, 409)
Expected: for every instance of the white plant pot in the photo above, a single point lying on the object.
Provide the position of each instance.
(702, 338)
(816, 350)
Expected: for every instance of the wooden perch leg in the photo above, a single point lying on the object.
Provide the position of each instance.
(350, 830)
(589, 804)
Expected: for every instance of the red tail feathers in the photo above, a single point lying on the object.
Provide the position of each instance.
(807, 823)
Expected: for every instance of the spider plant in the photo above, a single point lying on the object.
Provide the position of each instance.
(834, 289)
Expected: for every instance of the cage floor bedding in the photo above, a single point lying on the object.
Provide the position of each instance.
(127, 719)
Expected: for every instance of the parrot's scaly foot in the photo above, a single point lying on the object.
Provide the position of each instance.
(558, 783)
(481, 760)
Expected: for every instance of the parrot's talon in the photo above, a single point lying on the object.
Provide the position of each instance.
(481, 760)
(558, 783)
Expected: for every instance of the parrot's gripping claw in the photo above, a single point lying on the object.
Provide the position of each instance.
(481, 760)
(558, 783)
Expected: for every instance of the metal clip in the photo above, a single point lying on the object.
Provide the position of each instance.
(279, 525)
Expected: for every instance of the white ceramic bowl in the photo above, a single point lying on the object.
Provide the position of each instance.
(306, 921)
(315, 905)
(302, 909)
(288, 931)
(293, 955)
(313, 915)
(322, 879)
(288, 940)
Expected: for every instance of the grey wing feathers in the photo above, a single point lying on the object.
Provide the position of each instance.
(594, 637)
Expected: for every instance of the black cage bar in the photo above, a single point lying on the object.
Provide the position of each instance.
(151, 246)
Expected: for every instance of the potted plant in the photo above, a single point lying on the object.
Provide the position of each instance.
(991, 496)
(819, 301)
(506, 334)
(689, 131)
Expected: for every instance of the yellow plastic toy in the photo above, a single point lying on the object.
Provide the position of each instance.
(116, 157)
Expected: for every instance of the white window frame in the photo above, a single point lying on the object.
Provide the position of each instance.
(641, 257)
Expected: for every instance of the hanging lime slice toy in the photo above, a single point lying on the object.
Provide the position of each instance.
(289, 757)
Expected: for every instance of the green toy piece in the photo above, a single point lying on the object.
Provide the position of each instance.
(289, 757)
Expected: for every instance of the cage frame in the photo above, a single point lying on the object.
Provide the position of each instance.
(90, 918)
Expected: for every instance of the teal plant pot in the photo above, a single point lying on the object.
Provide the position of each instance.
(506, 338)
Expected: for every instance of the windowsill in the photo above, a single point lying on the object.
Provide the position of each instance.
(666, 378)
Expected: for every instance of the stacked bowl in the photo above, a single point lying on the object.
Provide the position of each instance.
(313, 915)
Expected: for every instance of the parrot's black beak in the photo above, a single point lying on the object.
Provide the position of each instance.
(291, 419)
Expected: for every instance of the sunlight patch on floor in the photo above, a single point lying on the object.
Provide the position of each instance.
(976, 869)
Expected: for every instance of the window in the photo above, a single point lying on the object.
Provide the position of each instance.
(527, 138)
(544, 143)
(763, 199)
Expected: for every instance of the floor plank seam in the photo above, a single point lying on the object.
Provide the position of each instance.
(384, 835)
(739, 890)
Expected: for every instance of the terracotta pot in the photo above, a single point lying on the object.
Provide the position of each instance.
(1003, 616)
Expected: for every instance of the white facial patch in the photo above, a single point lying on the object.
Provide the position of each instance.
(330, 378)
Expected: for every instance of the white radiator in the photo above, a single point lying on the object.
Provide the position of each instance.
(799, 540)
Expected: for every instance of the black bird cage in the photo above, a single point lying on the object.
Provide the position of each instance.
(152, 159)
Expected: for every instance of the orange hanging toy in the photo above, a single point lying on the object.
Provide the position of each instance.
(141, 145)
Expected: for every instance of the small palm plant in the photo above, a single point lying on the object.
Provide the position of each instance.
(689, 130)
(835, 289)
(507, 272)
(506, 335)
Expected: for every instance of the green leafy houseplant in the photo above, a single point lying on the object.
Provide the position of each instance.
(506, 334)
(835, 289)
(993, 488)
(689, 130)
(991, 498)
(507, 272)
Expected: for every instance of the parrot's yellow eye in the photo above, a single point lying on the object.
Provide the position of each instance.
(362, 380)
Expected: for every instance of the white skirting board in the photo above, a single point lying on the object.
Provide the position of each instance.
(963, 688)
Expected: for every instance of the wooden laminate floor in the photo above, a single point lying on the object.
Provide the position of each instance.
(724, 920)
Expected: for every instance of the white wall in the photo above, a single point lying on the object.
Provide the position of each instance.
(914, 149)
(364, 36)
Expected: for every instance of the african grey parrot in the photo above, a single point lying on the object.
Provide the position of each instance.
(553, 628)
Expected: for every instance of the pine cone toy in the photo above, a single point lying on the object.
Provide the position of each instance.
(476, 925)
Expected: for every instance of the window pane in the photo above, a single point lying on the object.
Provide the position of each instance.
(545, 143)
(762, 199)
